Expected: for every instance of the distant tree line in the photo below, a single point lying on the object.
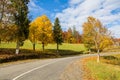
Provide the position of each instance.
(72, 36)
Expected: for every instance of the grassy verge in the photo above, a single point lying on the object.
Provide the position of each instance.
(107, 69)
(7, 51)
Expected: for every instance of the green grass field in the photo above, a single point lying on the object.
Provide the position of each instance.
(107, 69)
(28, 45)
(7, 51)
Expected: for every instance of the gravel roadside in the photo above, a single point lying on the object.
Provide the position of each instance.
(74, 71)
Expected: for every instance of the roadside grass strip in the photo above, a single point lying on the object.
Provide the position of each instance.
(104, 70)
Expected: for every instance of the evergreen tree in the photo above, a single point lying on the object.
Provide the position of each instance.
(69, 35)
(76, 35)
(21, 20)
(57, 33)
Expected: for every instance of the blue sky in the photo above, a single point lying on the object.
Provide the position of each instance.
(48, 7)
(75, 12)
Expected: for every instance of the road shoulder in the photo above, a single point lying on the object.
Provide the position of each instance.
(74, 71)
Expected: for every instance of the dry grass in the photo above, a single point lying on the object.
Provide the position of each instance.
(87, 73)
(89, 69)
(107, 69)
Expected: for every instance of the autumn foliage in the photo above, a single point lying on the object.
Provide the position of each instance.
(41, 30)
(96, 35)
(71, 36)
(15, 26)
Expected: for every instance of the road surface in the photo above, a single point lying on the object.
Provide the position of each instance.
(49, 69)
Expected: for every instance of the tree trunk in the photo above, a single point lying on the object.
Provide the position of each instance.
(43, 46)
(33, 46)
(98, 56)
(17, 48)
(89, 50)
(57, 47)
(0, 41)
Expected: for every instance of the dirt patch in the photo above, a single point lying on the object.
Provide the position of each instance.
(78, 70)
(72, 71)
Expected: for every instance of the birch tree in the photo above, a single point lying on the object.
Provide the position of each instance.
(94, 33)
(21, 20)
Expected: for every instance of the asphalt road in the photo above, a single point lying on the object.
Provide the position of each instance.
(49, 69)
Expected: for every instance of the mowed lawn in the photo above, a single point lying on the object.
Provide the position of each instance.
(7, 51)
(107, 69)
(28, 45)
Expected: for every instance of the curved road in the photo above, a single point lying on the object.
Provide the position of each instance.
(49, 69)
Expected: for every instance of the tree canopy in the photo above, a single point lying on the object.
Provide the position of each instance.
(95, 34)
(41, 30)
(21, 20)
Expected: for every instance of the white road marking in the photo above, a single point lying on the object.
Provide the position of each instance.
(35, 69)
(51, 63)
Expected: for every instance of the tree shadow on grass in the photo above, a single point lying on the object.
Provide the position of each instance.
(111, 60)
(9, 54)
(64, 53)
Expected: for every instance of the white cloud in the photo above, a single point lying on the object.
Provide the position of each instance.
(74, 2)
(79, 10)
(35, 9)
(33, 6)
(115, 31)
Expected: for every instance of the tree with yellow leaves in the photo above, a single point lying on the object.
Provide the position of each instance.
(41, 30)
(95, 34)
(33, 34)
